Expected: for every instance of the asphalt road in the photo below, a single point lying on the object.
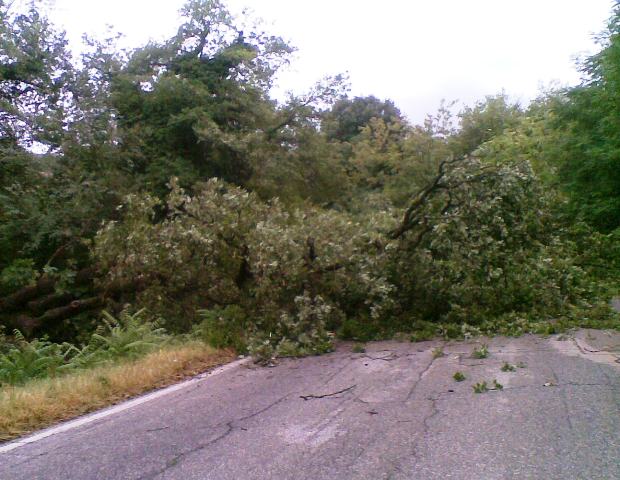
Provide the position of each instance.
(394, 412)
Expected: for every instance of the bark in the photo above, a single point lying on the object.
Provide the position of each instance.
(53, 300)
(17, 300)
(28, 325)
(20, 299)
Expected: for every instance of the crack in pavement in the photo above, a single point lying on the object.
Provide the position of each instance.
(425, 425)
(312, 397)
(587, 352)
(563, 398)
(387, 358)
(150, 430)
(420, 377)
(175, 461)
(336, 373)
(425, 421)
(17, 454)
(231, 426)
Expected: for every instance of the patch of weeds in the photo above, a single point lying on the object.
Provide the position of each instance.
(508, 368)
(358, 348)
(480, 387)
(360, 330)
(497, 385)
(401, 337)
(438, 352)
(223, 328)
(424, 331)
(482, 352)
(450, 331)
(459, 376)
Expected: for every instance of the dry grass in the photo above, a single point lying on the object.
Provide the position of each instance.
(41, 403)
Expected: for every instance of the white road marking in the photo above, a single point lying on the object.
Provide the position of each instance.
(70, 425)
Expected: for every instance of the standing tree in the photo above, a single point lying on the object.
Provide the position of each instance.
(346, 119)
(589, 162)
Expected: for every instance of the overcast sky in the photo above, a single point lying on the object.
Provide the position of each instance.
(412, 51)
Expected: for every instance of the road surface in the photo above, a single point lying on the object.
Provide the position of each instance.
(393, 412)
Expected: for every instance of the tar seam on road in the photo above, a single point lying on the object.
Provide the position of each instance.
(70, 425)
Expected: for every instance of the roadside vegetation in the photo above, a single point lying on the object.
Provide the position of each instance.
(46, 400)
(45, 382)
(156, 201)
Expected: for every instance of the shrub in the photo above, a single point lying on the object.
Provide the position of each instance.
(223, 327)
(487, 243)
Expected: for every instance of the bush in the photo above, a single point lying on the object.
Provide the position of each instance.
(223, 328)
(298, 333)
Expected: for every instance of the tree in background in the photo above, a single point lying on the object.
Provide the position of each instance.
(589, 117)
(35, 74)
(346, 119)
(485, 120)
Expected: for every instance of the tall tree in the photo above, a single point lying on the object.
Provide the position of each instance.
(485, 120)
(589, 165)
(192, 106)
(35, 71)
(346, 119)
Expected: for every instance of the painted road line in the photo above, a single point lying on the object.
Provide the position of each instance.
(70, 425)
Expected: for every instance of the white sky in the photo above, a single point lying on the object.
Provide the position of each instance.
(412, 51)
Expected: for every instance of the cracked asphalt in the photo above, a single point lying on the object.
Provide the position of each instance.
(393, 412)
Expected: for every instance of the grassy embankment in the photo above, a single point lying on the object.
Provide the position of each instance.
(42, 402)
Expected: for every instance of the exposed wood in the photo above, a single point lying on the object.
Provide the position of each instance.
(53, 300)
(28, 324)
(17, 300)
(68, 311)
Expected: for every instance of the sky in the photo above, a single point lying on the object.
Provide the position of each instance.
(415, 52)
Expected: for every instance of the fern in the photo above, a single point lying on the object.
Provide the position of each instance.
(128, 336)
(26, 360)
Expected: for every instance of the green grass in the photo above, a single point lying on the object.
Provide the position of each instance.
(459, 377)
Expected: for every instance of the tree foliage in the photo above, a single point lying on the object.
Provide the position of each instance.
(293, 273)
(589, 117)
(347, 117)
(169, 179)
